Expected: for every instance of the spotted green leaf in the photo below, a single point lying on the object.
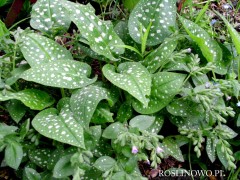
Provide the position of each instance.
(131, 77)
(16, 110)
(61, 126)
(162, 14)
(113, 130)
(124, 112)
(234, 34)
(222, 155)
(3, 30)
(40, 157)
(100, 34)
(61, 73)
(48, 16)
(157, 125)
(38, 49)
(210, 49)
(104, 163)
(226, 130)
(31, 174)
(172, 149)
(165, 85)
(142, 122)
(32, 98)
(84, 102)
(160, 56)
(211, 149)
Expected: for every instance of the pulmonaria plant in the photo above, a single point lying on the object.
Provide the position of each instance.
(71, 123)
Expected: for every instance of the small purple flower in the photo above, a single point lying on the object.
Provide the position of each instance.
(147, 162)
(213, 22)
(207, 85)
(189, 50)
(134, 150)
(159, 150)
(238, 104)
(228, 98)
(227, 6)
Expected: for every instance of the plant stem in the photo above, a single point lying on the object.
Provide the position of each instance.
(189, 159)
(63, 92)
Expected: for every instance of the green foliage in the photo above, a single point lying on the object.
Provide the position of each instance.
(95, 105)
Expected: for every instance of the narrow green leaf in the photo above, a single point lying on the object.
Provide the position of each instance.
(62, 73)
(38, 49)
(161, 13)
(100, 34)
(13, 154)
(165, 85)
(63, 127)
(131, 77)
(32, 98)
(234, 34)
(104, 163)
(6, 130)
(221, 155)
(84, 102)
(211, 149)
(49, 16)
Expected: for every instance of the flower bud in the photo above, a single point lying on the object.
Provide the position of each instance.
(134, 150)
(159, 150)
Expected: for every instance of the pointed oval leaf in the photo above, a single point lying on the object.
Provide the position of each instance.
(165, 85)
(50, 17)
(104, 163)
(124, 112)
(160, 56)
(113, 130)
(222, 155)
(38, 49)
(13, 154)
(102, 114)
(63, 167)
(63, 127)
(84, 102)
(172, 149)
(132, 77)
(16, 110)
(211, 149)
(32, 98)
(40, 157)
(210, 49)
(32, 174)
(142, 122)
(61, 73)
(100, 34)
(161, 13)
(157, 125)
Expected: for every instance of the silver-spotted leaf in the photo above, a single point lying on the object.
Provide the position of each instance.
(40, 157)
(60, 127)
(16, 109)
(157, 125)
(124, 112)
(32, 98)
(160, 56)
(48, 16)
(62, 73)
(165, 85)
(162, 15)
(100, 34)
(104, 163)
(38, 49)
(131, 77)
(172, 149)
(31, 174)
(211, 149)
(222, 155)
(210, 49)
(63, 167)
(84, 102)
(102, 114)
(142, 122)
